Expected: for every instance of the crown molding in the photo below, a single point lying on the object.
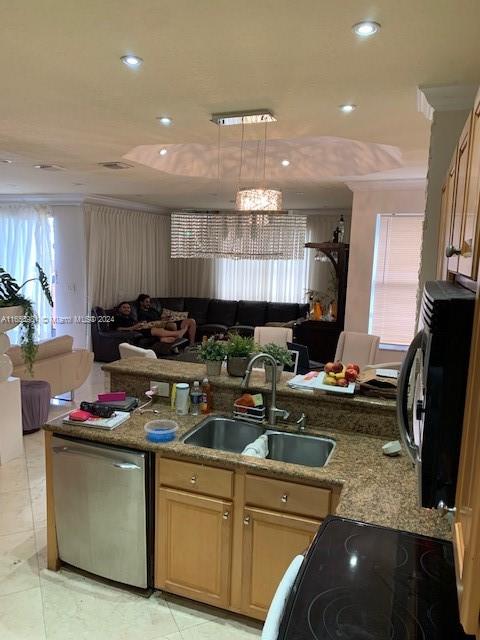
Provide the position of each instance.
(445, 97)
(409, 184)
(77, 199)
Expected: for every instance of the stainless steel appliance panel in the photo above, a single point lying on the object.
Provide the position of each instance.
(100, 509)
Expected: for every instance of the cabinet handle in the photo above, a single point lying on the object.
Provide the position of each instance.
(193, 480)
(246, 520)
(226, 515)
(450, 251)
(284, 498)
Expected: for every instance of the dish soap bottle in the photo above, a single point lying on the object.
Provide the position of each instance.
(195, 398)
(206, 404)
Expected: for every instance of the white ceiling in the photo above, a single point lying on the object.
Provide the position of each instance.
(68, 100)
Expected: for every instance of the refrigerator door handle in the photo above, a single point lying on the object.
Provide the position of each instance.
(402, 397)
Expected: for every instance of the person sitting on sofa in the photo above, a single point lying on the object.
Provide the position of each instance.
(147, 313)
(124, 321)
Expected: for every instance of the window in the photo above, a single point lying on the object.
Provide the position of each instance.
(393, 298)
(26, 237)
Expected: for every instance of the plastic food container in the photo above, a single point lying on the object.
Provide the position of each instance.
(161, 430)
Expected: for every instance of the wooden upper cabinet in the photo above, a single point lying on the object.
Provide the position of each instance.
(466, 535)
(468, 259)
(194, 546)
(446, 219)
(460, 191)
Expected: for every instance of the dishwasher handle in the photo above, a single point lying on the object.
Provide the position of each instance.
(118, 464)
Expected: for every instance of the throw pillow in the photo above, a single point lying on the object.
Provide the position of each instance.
(173, 316)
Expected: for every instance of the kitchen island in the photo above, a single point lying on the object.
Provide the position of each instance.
(246, 512)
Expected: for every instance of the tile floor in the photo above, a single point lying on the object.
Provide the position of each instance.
(37, 604)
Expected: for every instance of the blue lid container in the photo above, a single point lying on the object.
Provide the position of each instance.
(161, 430)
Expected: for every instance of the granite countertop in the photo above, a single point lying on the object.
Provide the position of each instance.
(176, 371)
(374, 488)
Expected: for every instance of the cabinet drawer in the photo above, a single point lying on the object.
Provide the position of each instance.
(195, 477)
(287, 497)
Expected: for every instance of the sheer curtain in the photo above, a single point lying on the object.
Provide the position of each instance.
(280, 280)
(128, 252)
(26, 237)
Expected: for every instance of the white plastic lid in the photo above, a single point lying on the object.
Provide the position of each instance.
(196, 383)
(205, 381)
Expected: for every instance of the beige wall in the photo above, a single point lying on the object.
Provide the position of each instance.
(366, 205)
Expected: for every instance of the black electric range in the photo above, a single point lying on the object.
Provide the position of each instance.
(363, 582)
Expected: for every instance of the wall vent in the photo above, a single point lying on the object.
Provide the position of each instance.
(115, 165)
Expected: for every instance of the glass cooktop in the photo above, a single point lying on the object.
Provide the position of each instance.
(362, 582)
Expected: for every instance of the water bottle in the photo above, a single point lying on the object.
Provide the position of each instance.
(195, 399)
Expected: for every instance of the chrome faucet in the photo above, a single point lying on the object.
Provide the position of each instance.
(273, 411)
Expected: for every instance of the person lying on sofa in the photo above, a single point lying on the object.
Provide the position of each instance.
(124, 321)
(147, 313)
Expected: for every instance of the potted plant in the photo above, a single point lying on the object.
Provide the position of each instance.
(282, 356)
(239, 352)
(17, 309)
(212, 352)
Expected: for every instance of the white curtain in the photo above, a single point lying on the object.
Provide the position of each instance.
(193, 277)
(280, 280)
(272, 280)
(128, 252)
(26, 237)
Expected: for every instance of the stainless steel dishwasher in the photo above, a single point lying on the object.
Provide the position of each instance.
(103, 509)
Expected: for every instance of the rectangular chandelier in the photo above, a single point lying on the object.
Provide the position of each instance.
(239, 236)
(259, 116)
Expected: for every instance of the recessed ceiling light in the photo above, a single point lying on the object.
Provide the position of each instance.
(299, 193)
(163, 152)
(347, 108)
(131, 61)
(285, 163)
(165, 120)
(5, 161)
(366, 28)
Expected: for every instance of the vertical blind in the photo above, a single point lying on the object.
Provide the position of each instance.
(396, 265)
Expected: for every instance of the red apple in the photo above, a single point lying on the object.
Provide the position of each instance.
(328, 368)
(351, 374)
(342, 382)
(337, 367)
(352, 365)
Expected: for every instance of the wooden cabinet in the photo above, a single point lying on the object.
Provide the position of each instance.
(459, 242)
(226, 537)
(193, 546)
(468, 258)
(466, 536)
(459, 200)
(447, 200)
(271, 540)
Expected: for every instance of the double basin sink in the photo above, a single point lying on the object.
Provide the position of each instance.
(233, 435)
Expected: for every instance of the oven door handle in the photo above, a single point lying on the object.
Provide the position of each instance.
(402, 393)
(276, 610)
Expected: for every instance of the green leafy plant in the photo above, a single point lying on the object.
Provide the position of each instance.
(212, 350)
(240, 346)
(281, 355)
(10, 296)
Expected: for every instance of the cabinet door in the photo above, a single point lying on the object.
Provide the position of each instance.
(466, 538)
(444, 232)
(193, 546)
(460, 190)
(468, 259)
(271, 540)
